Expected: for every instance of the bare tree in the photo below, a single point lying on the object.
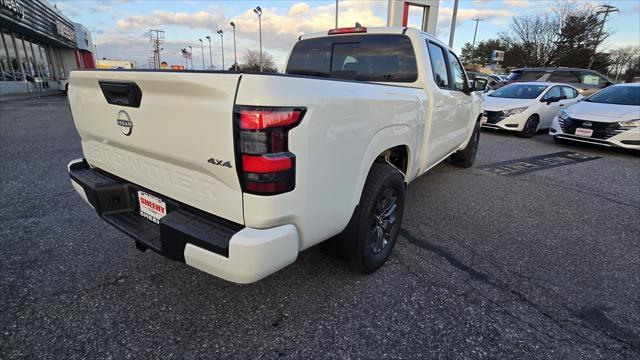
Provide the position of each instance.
(564, 37)
(251, 62)
(621, 59)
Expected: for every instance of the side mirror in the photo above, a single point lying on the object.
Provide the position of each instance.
(479, 84)
(550, 100)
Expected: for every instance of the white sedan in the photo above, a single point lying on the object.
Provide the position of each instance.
(527, 107)
(610, 117)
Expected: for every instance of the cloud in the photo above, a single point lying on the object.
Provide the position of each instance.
(299, 8)
(518, 3)
(202, 19)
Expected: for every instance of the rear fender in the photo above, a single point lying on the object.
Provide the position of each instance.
(384, 139)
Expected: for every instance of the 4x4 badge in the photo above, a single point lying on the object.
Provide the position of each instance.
(220, 162)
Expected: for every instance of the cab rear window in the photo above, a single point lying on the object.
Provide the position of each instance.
(381, 58)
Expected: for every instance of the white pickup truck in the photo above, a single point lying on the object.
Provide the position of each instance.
(236, 173)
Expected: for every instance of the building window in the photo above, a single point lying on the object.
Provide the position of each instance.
(14, 65)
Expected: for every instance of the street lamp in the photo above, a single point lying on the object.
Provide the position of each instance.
(210, 58)
(221, 33)
(258, 11)
(202, 46)
(191, 56)
(235, 57)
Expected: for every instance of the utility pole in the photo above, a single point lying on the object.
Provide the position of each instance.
(336, 14)
(453, 23)
(235, 56)
(473, 45)
(602, 9)
(157, 37)
(202, 52)
(258, 11)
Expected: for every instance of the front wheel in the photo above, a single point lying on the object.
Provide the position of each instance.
(466, 157)
(530, 127)
(379, 218)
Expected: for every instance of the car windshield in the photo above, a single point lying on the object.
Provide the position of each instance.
(519, 91)
(618, 95)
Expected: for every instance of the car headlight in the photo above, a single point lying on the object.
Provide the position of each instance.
(562, 115)
(629, 123)
(514, 111)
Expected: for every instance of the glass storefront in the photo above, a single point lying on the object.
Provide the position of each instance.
(25, 59)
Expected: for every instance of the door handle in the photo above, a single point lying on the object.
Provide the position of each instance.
(561, 104)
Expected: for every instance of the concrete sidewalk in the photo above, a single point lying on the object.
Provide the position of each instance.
(23, 96)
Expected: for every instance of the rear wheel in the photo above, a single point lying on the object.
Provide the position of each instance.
(372, 232)
(381, 209)
(466, 156)
(530, 127)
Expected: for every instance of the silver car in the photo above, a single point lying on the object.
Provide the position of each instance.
(586, 81)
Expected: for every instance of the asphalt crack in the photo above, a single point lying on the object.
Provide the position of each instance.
(486, 279)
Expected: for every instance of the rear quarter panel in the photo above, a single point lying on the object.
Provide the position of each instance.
(346, 126)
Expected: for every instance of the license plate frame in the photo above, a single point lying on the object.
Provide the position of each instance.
(151, 207)
(582, 132)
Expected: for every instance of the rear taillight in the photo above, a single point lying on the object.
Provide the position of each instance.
(265, 164)
(348, 30)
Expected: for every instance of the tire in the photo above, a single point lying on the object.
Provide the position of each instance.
(379, 218)
(530, 127)
(466, 157)
(355, 243)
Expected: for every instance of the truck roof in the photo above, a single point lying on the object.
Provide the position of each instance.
(379, 30)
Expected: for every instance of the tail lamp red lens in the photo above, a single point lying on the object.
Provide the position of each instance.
(347, 30)
(266, 166)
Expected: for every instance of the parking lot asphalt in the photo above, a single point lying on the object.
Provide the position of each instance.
(542, 265)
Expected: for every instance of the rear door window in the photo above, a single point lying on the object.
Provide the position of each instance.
(380, 58)
(569, 93)
(438, 65)
(589, 78)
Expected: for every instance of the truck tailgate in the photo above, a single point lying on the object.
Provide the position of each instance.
(178, 142)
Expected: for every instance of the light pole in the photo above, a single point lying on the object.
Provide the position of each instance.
(202, 46)
(210, 58)
(221, 33)
(453, 23)
(191, 56)
(258, 11)
(235, 56)
(473, 45)
(336, 14)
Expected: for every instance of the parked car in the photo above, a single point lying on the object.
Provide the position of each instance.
(235, 173)
(586, 81)
(63, 85)
(493, 82)
(527, 107)
(610, 117)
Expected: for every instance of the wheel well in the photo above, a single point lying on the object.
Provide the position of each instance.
(397, 156)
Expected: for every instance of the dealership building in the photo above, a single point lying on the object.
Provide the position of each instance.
(39, 46)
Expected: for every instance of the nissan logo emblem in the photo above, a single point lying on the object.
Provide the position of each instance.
(124, 123)
(586, 124)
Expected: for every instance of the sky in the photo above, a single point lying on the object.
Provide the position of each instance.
(120, 28)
